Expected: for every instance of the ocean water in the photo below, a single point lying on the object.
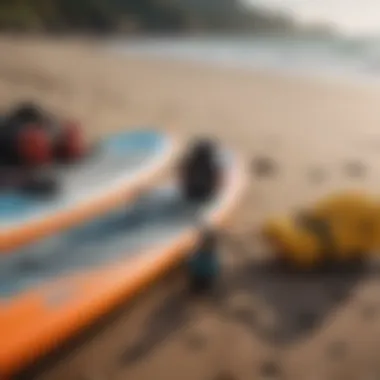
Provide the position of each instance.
(330, 57)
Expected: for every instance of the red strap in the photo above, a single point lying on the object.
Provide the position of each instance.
(74, 145)
(33, 145)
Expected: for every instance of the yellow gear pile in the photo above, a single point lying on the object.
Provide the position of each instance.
(340, 227)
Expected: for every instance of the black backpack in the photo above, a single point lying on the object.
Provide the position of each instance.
(200, 171)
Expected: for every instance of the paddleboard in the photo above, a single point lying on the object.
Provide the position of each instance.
(124, 166)
(56, 287)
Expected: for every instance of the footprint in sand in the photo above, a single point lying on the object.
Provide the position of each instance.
(306, 321)
(195, 341)
(337, 350)
(355, 169)
(369, 312)
(244, 315)
(224, 376)
(316, 175)
(270, 370)
(263, 166)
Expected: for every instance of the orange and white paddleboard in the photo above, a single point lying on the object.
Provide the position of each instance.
(58, 286)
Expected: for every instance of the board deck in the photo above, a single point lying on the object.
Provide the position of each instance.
(125, 164)
(54, 288)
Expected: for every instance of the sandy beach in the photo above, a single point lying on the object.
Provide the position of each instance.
(262, 326)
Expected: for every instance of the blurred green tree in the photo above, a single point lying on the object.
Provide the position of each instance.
(104, 16)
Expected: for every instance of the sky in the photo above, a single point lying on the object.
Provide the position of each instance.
(349, 16)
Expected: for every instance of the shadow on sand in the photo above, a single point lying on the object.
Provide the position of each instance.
(300, 302)
(169, 317)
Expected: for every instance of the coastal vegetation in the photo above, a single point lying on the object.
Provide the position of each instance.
(137, 16)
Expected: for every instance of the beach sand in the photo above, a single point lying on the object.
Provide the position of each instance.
(261, 325)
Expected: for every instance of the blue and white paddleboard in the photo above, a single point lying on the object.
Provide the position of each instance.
(125, 165)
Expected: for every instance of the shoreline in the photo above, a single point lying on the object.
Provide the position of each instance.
(184, 50)
(350, 81)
